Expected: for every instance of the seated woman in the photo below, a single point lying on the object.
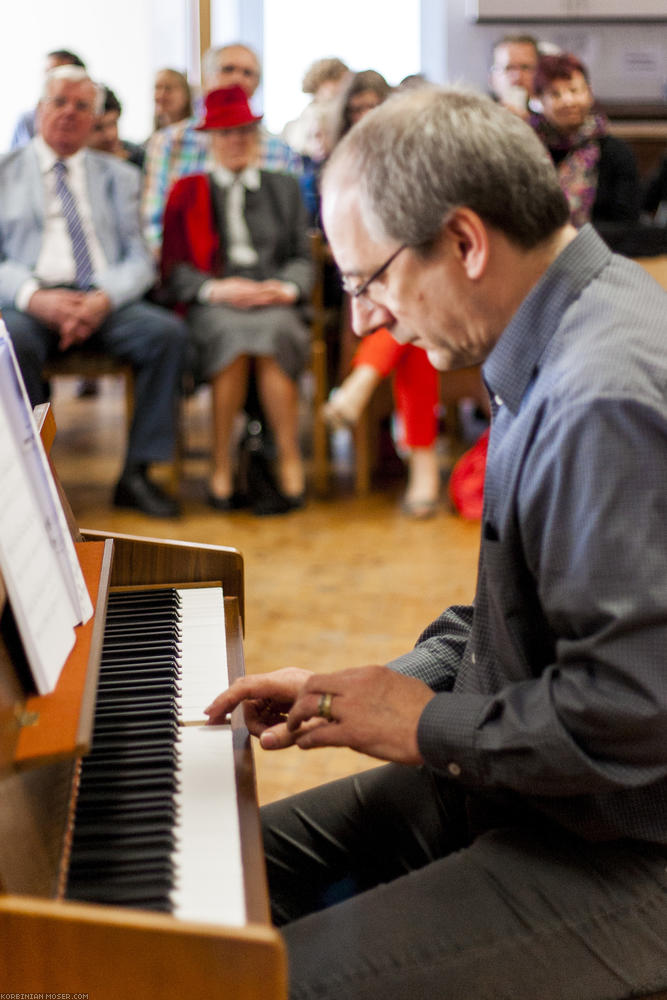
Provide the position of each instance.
(597, 171)
(172, 98)
(236, 254)
(415, 383)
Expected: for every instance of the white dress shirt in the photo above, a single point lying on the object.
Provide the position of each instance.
(55, 264)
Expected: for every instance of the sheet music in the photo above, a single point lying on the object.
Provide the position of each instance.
(38, 561)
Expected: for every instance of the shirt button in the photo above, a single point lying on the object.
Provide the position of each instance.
(454, 769)
(497, 400)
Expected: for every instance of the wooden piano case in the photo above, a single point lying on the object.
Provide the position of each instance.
(52, 946)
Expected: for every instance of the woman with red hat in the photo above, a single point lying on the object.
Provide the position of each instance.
(236, 256)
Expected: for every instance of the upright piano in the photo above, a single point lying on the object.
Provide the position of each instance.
(194, 921)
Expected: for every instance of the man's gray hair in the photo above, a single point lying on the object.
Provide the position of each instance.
(209, 62)
(76, 74)
(426, 152)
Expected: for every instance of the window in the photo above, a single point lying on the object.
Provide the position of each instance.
(367, 35)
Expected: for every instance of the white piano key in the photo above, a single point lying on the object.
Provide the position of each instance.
(203, 651)
(209, 869)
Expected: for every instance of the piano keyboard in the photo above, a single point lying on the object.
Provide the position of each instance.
(156, 822)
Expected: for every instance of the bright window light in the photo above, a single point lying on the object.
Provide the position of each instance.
(371, 34)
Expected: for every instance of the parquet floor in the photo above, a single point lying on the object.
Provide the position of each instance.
(344, 582)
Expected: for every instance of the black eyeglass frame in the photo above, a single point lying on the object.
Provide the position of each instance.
(361, 289)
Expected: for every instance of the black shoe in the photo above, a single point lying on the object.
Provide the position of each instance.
(135, 490)
(237, 501)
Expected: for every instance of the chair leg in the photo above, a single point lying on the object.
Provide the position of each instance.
(362, 455)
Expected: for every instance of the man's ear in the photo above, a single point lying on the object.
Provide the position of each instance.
(469, 239)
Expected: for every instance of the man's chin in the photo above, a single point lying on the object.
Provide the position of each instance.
(441, 360)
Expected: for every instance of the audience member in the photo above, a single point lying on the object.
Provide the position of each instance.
(512, 74)
(172, 98)
(323, 80)
(414, 80)
(74, 268)
(26, 127)
(317, 124)
(363, 92)
(182, 149)
(597, 171)
(515, 845)
(415, 382)
(236, 253)
(104, 136)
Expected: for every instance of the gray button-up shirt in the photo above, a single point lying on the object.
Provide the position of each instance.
(554, 684)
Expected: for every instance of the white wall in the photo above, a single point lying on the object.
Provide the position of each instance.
(372, 34)
(626, 61)
(122, 44)
(126, 42)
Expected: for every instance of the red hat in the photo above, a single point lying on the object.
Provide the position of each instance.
(227, 108)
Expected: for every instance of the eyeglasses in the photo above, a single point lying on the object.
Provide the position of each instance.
(516, 68)
(362, 289)
(247, 71)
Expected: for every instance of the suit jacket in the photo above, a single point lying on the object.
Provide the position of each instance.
(194, 234)
(113, 190)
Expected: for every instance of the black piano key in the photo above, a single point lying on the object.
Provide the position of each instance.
(123, 836)
(121, 643)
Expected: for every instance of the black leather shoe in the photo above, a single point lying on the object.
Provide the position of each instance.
(135, 490)
(237, 501)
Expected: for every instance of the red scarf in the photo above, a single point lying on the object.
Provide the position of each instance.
(190, 235)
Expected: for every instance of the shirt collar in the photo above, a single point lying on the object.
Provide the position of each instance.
(46, 156)
(515, 358)
(249, 177)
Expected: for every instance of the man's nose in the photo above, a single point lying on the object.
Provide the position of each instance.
(367, 316)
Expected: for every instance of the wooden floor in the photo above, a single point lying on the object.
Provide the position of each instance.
(344, 582)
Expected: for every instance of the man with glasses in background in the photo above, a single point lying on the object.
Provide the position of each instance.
(512, 74)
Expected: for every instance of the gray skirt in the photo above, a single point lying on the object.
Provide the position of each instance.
(222, 333)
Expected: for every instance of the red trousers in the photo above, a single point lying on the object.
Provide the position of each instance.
(415, 383)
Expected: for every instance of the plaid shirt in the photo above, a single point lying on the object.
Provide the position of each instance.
(180, 150)
(552, 689)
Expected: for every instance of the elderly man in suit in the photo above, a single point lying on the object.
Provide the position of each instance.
(74, 268)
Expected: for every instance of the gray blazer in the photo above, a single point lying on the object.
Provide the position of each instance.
(113, 189)
(276, 218)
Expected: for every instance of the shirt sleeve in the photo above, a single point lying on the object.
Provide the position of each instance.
(154, 194)
(439, 649)
(592, 721)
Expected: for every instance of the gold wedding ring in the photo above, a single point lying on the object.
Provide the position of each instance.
(324, 706)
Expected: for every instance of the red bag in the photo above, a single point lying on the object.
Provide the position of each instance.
(466, 482)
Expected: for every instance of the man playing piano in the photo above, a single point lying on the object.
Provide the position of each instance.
(515, 845)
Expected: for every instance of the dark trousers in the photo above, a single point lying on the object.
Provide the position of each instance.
(386, 886)
(152, 339)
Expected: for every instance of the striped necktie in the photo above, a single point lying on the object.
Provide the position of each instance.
(82, 262)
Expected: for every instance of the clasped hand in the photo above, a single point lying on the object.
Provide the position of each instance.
(74, 314)
(373, 710)
(245, 293)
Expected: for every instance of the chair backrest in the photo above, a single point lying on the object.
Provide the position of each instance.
(656, 267)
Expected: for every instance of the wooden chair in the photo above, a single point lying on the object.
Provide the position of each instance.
(83, 364)
(455, 386)
(320, 320)
(656, 267)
